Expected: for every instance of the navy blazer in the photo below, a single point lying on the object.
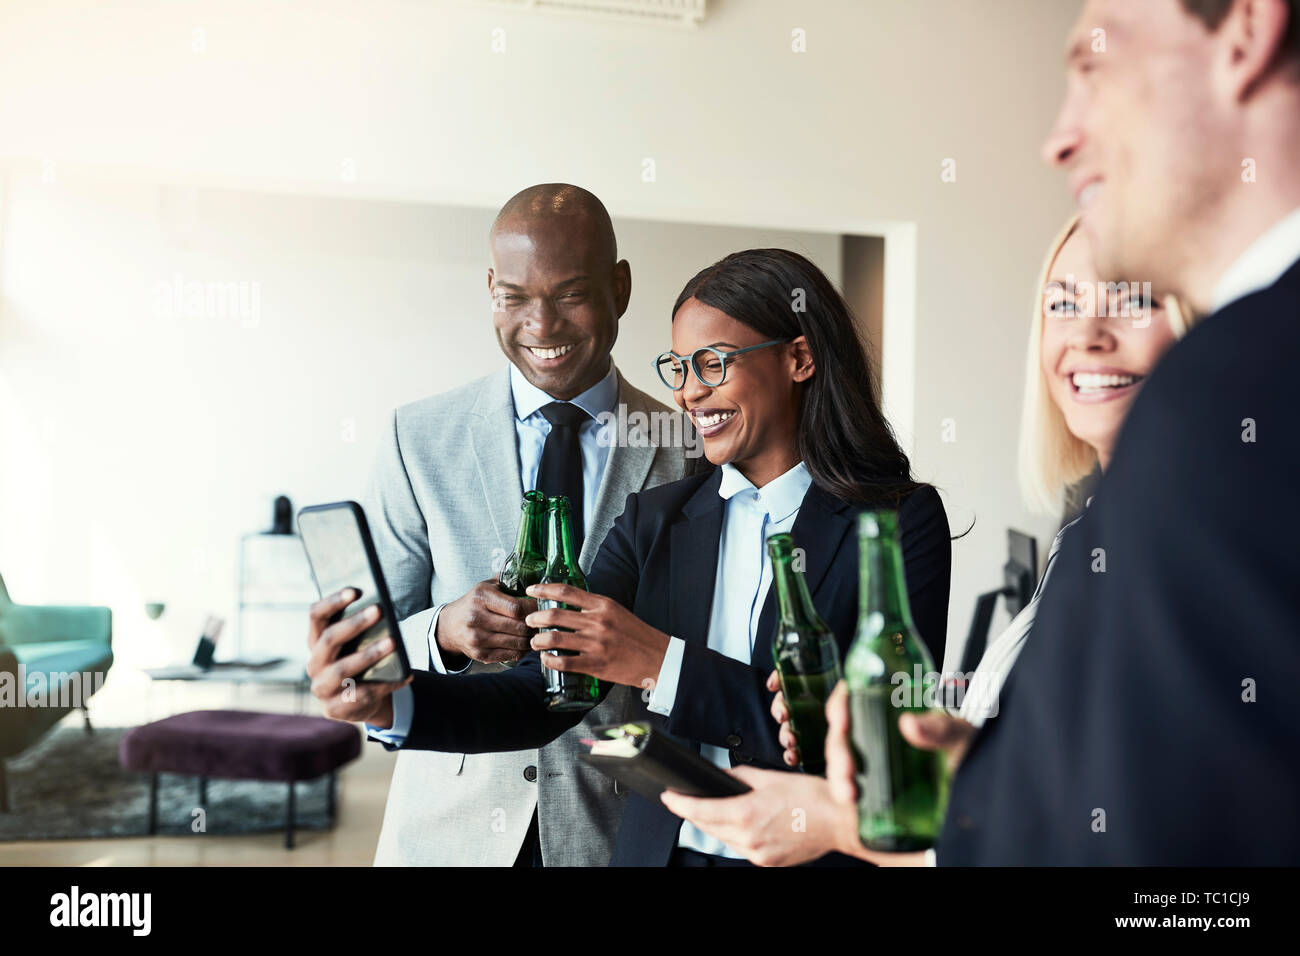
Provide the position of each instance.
(1151, 720)
(660, 560)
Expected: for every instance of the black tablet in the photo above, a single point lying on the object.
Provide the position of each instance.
(651, 762)
(342, 555)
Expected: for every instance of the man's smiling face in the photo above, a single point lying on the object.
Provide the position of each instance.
(1136, 135)
(557, 296)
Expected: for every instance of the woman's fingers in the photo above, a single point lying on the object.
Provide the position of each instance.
(556, 618)
(839, 755)
(779, 712)
(937, 730)
(565, 594)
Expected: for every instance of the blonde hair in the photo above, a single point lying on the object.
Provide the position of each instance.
(1051, 456)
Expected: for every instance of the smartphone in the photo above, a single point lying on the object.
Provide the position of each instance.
(342, 555)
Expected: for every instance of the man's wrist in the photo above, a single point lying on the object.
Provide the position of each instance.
(399, 710)
(382, 718)
(651, 665)
(452, 659)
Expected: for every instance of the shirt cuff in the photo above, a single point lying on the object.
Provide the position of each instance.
(931, 857)
(403, 709)
(665, 690)
(435, 655)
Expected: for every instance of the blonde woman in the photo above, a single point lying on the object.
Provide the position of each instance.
(1092, 343)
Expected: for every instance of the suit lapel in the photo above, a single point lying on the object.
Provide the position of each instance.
(693, 556)
(630, 458)
(818, 530)
(495, 445)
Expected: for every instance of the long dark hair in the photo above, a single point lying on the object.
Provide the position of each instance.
(845, 442)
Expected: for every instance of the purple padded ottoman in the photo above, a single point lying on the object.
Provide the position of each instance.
(241, 745)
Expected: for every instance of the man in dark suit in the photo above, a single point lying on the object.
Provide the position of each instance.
(1149, 720)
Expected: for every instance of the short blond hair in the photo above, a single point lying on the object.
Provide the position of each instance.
(1051, 456)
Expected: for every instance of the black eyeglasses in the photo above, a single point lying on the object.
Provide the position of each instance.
(708, 364)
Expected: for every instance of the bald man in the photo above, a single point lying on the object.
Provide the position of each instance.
(444, 507)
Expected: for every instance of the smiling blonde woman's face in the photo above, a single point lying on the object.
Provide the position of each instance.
(1094, 355)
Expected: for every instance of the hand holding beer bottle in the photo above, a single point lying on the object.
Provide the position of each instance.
(487, 623)
(901, 790)
(565, 690)
(807, 658)
(526, 564)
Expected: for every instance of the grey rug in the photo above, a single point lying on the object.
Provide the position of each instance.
(71, 786)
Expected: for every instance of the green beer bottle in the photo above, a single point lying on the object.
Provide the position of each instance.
(807, 659)
(565, 690)
(526, 564)
(901, 790)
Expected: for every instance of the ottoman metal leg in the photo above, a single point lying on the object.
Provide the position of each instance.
(153, 803)
(203, 791)
(333, 794)
(4, 789)
(288, 823)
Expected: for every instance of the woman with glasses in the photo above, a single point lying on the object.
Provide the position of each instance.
(768, 362)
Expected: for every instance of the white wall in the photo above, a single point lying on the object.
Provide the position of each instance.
(407, 101)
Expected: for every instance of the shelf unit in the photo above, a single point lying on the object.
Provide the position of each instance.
(274, 578)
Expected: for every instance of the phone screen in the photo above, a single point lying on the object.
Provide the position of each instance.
(337, 554)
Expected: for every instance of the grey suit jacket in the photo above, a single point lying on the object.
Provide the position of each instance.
(443, 507)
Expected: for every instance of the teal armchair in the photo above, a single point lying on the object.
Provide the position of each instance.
(52, 659)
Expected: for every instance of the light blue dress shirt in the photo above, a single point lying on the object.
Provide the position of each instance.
(739, 592)
(531, 429)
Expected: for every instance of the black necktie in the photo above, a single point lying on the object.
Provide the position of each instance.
(560, 471)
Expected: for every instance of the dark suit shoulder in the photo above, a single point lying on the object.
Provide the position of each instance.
(922, 508)
(1254, 338)
(669, 499)
(1216, 411)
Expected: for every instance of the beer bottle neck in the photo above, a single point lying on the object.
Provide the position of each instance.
(531, 523)
(793, 600)
(559, 545)
(882, 585)
(537, 538)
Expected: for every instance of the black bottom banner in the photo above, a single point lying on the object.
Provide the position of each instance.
(235, 905)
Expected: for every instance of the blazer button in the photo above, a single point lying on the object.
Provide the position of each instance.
(530, 773)
(733, 740)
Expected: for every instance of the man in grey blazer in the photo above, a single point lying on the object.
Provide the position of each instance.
(443, 507)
